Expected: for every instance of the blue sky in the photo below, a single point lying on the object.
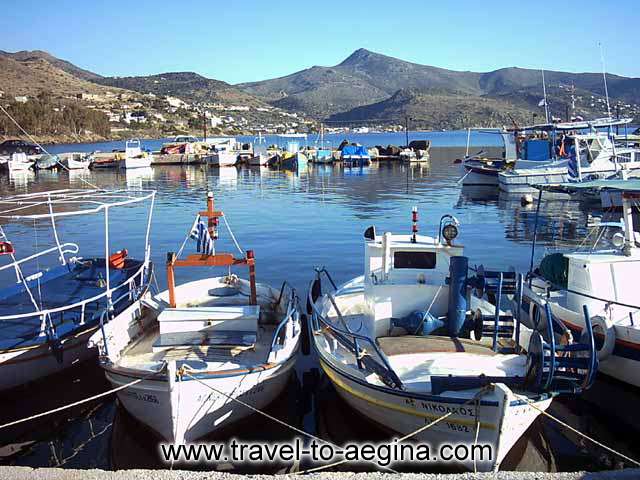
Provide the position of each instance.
(239, 41)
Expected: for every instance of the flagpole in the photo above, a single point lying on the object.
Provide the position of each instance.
(544, 91)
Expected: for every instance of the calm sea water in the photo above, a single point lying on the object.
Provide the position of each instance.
(293, 222)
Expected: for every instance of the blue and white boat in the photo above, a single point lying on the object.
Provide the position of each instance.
(54, 299)
(355, 156)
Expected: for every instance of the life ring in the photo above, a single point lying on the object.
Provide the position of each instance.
(603, 327)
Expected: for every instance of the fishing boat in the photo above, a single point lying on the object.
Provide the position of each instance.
(323, 156)
(134, 157)
(480, 169)
(568, 156)
(54, 299)
(76, 160)
(203, 344)
(18, 162)
(415, 338)
(355, 156)
(601, 275)
(291, 158)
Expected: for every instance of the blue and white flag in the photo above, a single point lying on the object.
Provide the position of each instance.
(573, 167)
(200, 233)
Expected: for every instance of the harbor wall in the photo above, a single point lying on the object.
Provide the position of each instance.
(27, 473)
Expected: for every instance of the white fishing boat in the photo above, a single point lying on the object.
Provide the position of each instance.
(584, 156)
(75, 160)
(18, 162)
(601, 276)
(403, 346)
(54, 299)
(259, 158)
(134, 157)
(199, 346)
(480, 169)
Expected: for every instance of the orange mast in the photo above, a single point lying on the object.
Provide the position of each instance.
(216, 260)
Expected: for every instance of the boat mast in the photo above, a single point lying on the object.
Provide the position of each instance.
(544, 92)
(627, 210)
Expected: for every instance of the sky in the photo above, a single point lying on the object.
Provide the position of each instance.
(241, 41)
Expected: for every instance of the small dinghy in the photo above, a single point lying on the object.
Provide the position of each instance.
(48, 314)
(200, 345)
(46, 162)
(76, 160)
(414, 346)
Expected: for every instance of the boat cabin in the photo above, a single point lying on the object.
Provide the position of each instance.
(407, 273)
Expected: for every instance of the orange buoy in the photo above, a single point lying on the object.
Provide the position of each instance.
(117, 259)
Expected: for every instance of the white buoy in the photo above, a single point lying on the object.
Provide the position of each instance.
(526, 199)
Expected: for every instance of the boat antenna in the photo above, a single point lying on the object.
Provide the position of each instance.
(544, 92)
(604, 76)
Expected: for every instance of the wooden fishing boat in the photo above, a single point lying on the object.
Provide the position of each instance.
(602, 277)
(202, 344)
(48, 314)
(134, 157)
(416, 338)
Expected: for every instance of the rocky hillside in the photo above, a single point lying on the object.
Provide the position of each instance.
(366, 78)
(187, 86)
(436, 109)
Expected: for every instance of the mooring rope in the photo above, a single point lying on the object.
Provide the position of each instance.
(79, 402)
(577, 432)
(475, 398)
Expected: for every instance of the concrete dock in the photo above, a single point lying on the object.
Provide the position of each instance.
(26, 473)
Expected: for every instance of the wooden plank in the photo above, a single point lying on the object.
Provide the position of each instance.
(214, 214)
(218, 260)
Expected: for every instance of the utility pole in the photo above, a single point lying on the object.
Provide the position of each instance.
(406, 130)
(204, 125)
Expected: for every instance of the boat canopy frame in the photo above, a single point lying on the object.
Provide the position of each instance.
(77, 202)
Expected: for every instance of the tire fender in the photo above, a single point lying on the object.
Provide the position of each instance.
(604, 326)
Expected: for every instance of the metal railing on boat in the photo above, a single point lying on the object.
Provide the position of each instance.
(382, 368)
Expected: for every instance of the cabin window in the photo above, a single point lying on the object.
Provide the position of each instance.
(422, 260)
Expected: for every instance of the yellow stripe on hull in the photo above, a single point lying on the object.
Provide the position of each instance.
(391, 406)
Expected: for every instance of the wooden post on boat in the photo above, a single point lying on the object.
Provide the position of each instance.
(213, 219)
(251, 263)
(171, 281)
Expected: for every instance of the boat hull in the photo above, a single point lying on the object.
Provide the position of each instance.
(503, 418)
(624, 362)
(190, 409)
(23, 366)
(480, 177)
(223, 159)
(135, 162)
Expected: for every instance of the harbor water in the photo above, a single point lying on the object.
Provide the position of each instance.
(294, 222)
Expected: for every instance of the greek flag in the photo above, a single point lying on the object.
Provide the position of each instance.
(200, 233)
(572, 166)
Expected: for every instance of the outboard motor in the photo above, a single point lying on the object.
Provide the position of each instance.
(457, 308)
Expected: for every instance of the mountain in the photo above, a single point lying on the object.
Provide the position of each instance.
(436, 109)
(32, 75)
(65, 66)
(367, 77)
(188, 86)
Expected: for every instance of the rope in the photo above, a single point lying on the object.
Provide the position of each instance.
(195, 222)
(38, 144)
(232, 236)
(577, 432)
(270, 417)
(75, 404)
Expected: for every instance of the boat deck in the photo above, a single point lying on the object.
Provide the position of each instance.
(58, 287)
(141, 355)
(416, 359)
